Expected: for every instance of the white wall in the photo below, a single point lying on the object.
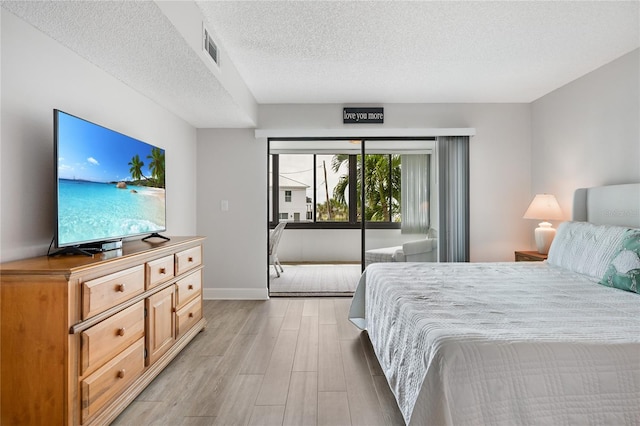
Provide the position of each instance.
(587, 133)
(232, 166)
(38, 75)
(318, 245)
(335, 245)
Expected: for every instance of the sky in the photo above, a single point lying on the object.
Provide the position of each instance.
(91, 152)
(299, 167)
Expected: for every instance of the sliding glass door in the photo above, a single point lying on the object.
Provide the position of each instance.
(399, 201)
(354, 201)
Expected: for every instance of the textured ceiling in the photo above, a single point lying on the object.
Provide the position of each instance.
(137, 44)
(344, 51)
(418, 51)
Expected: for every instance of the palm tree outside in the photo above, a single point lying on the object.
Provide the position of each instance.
(339, 211)
(383, 189)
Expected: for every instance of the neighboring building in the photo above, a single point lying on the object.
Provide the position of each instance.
(293, 203)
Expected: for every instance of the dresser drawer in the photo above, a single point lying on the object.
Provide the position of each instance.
(188, 259)
(159, 271)
(111, 379)
(103, 293)
(188, 288)
(188, 316)
(108, 338)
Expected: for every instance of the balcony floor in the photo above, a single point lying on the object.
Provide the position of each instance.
(315, 280)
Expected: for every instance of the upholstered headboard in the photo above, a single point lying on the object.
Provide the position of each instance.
(608, 205)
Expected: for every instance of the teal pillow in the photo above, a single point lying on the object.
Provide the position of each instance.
(624, 270)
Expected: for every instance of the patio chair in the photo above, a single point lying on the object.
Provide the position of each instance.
(274, 240)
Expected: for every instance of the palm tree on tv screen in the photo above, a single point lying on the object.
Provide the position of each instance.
(136, 167)
(157, 166)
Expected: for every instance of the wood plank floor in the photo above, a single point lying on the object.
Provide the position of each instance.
(284, 361)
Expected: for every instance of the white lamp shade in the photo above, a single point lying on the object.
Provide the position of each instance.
(544, 207)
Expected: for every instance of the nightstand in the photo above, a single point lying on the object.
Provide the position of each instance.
(529, 256)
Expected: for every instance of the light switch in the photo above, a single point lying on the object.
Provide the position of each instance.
(224, 205)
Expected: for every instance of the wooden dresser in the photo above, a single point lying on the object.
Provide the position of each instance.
(83, 336)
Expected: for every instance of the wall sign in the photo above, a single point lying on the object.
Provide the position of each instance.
(362, 115)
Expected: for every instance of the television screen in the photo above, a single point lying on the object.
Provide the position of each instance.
(109, 186)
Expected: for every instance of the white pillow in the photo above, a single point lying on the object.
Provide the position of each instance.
(585, 248)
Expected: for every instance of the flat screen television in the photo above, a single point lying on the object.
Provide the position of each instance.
(109, 186)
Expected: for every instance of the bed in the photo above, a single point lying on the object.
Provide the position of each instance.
(524, 343)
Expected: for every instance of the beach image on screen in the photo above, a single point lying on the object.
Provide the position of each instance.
(109, 185)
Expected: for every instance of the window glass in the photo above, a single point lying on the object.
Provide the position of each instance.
(382, 187)
(295, 182)
(332, 191)
(313, 184)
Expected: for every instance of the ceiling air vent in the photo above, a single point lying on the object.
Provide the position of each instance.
(210, 46)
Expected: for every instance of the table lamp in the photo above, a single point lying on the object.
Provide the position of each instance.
(544, 207)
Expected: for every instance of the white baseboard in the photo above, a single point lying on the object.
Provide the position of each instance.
(235, 293)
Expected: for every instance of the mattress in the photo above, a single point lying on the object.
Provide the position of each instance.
(522, 343)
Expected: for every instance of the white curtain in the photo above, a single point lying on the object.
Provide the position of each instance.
(453, 161)
(415, 193)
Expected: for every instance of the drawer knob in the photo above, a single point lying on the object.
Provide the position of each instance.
(163, 270)
(190, 259)
(120, 288)
(190, 314)
(121, 374)
(190, 287)
(121, 331)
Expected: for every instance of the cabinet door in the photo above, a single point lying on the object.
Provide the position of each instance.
(160, 323)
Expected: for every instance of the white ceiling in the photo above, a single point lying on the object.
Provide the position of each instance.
(351, 52)
(418, 51)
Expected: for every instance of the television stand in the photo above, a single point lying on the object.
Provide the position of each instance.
(89, 249)
(156, 235)
(63, 321)
(74, 250)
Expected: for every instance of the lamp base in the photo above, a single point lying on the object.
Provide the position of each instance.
(544, 235)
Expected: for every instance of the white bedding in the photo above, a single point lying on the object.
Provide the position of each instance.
(502, 343)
